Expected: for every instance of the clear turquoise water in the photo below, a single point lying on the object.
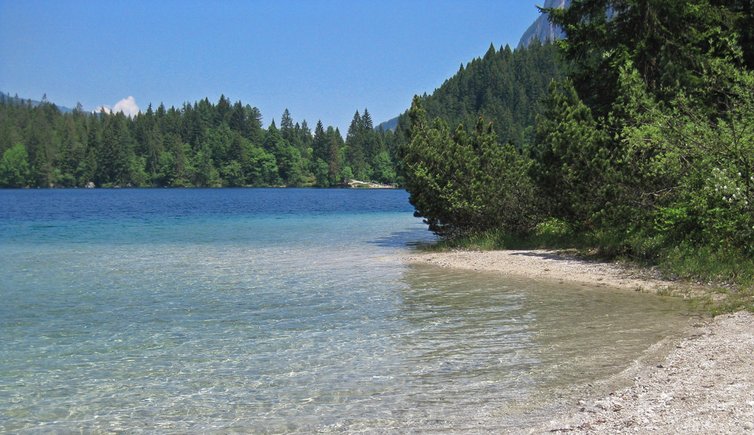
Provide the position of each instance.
(269, 310)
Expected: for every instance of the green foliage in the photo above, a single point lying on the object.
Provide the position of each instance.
(260, 168)
(554, 228)
(570, 157)
(200, 144)
(366, 151)
(232, 174)
(671, 176)
(384, 171)
(14, 167)
(717, 190)
(206, 174)
(321, 173)
(696, 262)
(645, 150)
(550, 234)
(672, 44)
(505, 87)
(463, 182)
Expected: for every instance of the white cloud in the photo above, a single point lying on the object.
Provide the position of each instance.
(127, 106)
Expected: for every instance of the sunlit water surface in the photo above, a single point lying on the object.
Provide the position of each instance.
(268, 310)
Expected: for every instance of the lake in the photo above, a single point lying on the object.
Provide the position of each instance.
(280, 310)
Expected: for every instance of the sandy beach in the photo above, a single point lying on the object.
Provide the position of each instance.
(554, 266)
(702, 382)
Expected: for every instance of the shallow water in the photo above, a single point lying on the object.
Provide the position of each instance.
(268, 310)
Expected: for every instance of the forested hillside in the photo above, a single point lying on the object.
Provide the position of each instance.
(645, 149)
(15, 99)
(504, 86)
(200, 144)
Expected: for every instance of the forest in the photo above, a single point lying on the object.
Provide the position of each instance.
(224, 144)
(643, 149)
(202, 144)
(507, 88)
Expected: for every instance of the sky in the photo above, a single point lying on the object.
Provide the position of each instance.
(320, 59)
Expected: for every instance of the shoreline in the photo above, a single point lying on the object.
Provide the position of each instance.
(558, 266)
(700, 382)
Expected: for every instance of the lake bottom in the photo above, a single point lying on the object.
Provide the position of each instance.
(292, 323)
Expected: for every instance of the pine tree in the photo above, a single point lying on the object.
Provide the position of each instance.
(571, 157)
(335, 147)
(286, 127)
(222, 111)
(320, 143)
(672, 43)
(356, 143)
(461, 182)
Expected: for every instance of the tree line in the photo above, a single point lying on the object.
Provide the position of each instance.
(225, 144)
(644, 148)
(203, 144)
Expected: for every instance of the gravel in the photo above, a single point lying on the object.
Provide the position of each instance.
(705, 385)
(700, 383)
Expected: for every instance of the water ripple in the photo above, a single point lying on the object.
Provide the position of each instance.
(247, 323)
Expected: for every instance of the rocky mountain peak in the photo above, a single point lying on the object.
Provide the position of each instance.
(542, 30)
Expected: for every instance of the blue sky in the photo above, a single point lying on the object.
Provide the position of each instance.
(321, 59)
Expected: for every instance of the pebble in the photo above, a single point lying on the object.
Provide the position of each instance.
(601, 404)
(712, 392)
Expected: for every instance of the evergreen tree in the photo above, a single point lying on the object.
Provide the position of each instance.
(335, 158)
(205, 173)
(356, 143)
(113, 158)
(222, 111)
(286, 126)
(652, 159)
(463, 182)
(199, 144)
(671, 43)
(320, 143)
(571, 157)
(506, 87)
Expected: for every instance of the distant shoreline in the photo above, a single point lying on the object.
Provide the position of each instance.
(704, 381)
(357, 186)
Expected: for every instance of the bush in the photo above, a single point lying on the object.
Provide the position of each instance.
(463, 183)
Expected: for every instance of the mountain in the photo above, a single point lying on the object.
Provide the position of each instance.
(388, 125)
(542, 30)
(7, 98)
